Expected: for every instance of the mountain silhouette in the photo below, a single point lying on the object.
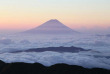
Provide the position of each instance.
(37, 68)
(51, 27)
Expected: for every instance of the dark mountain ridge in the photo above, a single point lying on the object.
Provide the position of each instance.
(55, 49)
(36, 68)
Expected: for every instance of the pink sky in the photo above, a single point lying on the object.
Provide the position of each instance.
(26, 14)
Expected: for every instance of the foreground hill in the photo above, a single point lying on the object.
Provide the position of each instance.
(36, 68)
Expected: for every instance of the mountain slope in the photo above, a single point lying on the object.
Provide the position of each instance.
(51, 27)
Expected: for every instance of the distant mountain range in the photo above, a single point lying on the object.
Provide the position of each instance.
(54, 49)
(51, 27)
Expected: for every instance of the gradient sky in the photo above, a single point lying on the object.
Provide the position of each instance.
(26, 14)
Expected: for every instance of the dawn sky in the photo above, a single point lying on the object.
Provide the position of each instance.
(26, 14)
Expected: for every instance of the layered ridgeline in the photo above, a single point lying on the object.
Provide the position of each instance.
(51, 27)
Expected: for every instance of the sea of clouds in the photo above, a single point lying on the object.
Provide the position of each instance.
(48, 58)
(98, 57)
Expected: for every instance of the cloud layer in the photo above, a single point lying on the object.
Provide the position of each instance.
(51, 58)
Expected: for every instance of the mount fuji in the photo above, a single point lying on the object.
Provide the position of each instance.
(51, 27)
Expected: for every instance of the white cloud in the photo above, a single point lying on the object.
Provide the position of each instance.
(6, 41)
(50, 58)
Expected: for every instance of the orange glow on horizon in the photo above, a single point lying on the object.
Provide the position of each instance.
(26, 14)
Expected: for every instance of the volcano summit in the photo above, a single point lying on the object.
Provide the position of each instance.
(51, 27)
